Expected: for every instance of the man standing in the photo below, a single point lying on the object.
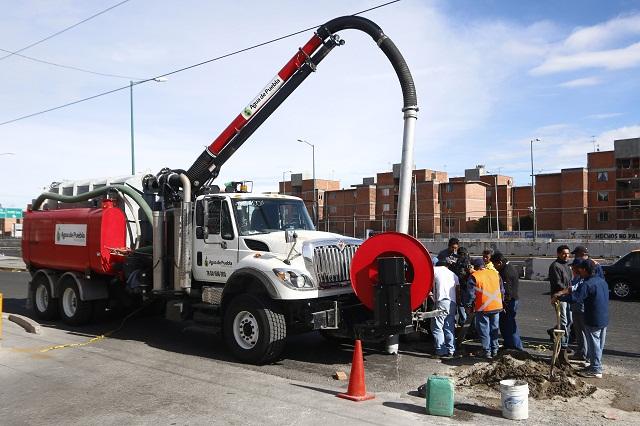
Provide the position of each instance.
(577, 315)
(581, 252)
(444, 296)
(450, 254)
(511, 281)
(560, 279)
(484, 294)
(594, 293)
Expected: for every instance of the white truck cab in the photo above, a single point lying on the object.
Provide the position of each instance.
(260, 259)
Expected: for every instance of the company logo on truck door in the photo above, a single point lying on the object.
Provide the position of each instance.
(71, 235)
(266, 93)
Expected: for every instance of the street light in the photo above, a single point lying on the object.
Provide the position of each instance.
(533, 194)
(131, 84)
(284, 187)
(315, 198)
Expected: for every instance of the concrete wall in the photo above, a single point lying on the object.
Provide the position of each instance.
(606, 250)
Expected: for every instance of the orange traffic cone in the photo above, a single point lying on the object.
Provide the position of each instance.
(357, 389)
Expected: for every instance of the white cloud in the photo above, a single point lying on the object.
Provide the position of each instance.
(600, 35)
(604, 116)
(613, 59)
(581, 82)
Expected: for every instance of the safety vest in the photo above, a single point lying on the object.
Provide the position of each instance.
(488, 295)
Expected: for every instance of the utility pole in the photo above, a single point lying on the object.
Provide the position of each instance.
(533, 193)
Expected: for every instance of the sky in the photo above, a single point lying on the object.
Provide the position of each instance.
(490, 76)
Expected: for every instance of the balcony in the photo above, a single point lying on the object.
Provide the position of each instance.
(628, 195)
(633, 214)
(627, 174)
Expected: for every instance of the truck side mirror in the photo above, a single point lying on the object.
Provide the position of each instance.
(290, 235)
(199, 233)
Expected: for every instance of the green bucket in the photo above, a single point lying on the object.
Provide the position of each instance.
(440, 395)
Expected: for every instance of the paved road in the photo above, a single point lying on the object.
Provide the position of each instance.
(158, 368)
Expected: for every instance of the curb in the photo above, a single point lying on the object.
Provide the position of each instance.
(29, 325)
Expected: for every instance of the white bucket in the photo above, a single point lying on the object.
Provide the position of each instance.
(515, 399)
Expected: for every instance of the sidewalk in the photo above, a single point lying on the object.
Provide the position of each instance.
(12, 263)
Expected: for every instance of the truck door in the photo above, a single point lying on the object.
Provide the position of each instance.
(216, 241)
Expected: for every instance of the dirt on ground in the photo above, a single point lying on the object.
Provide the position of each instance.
(533, 370)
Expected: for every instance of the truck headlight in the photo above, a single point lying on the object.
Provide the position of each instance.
(295, 280)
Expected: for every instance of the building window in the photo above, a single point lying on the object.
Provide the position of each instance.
(385, 192)
(603, 196)
(449, 187)
(603, 176)
(603, 216)
(625, 164)
(489, 193)
(449, 204)
(386, 207)
(333, 209)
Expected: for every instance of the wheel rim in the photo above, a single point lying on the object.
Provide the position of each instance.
(42, 298)
(621, 289)
(69, 302)
(245, 330)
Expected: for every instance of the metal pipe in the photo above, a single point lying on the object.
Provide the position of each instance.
(158, 251)
(406, 167)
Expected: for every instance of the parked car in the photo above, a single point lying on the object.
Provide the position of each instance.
(623, 276)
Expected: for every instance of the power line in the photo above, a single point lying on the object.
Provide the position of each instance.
(226, 55)
(63, 30)
(69, 66)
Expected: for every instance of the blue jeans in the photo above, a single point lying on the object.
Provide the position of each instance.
(487, 327)
(443, 328)
(565, 323)
(508, 326)
(595, 343)
(581, 339)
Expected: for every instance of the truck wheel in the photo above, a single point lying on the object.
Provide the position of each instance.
(73, 310)
(254, 330)
(44, 306)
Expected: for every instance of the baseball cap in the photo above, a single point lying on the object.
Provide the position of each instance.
(477, 262)
(580, 249)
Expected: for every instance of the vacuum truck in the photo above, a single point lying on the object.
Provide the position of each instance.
(252, 265)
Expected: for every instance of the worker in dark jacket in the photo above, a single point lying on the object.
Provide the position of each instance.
(560, 278)
(511, 282)
(594, 293)
(484, 295)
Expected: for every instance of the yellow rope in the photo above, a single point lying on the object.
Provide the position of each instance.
(96, 338)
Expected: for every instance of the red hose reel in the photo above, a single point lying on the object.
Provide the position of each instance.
(364, 266)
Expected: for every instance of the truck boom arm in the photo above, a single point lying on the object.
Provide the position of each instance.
(208, 164)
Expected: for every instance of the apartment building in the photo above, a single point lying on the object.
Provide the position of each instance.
(603, 195)
(302, 186)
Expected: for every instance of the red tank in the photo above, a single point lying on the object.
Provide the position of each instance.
(76, 239)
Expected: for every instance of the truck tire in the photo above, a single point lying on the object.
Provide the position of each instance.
(73, 310)
(254, 330)
(44, 306)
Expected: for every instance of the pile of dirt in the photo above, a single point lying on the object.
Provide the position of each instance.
(533, 370)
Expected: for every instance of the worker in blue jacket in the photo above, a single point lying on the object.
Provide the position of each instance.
(594, 293)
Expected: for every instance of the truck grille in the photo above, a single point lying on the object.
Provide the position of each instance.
(332, 264)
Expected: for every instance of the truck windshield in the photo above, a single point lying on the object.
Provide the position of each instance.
(264, 215)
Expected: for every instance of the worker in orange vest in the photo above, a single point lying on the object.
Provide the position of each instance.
(484, 298)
